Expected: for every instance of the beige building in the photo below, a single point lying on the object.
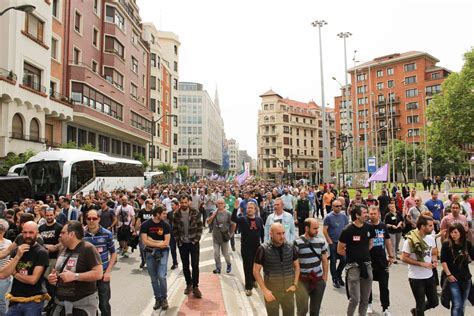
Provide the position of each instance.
(289, 138)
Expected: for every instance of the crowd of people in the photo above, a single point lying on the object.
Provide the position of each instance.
(69, 245)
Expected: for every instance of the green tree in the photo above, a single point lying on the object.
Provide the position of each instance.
(69, 145)
(450, 115)
(141, 158)
(183, 171)
(15, 159)
(88, 147)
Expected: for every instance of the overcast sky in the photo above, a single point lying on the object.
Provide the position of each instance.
(246, 47)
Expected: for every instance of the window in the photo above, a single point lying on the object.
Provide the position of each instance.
(410, 80)
(390, 71)
(83, 94)
(412, 105)
(34, 130)
(114, 77)
(362, 101)
(113, 16)
(52, 88)
(134, 65)
(54, 48)
(175, 66)
(430, 90)
(175, 102)
(414, 132)
(153, 82)
(380, 98)
(104, 144)
(153, 59)
(96, 7)
(140, 122)
(116, 147)
(34, 27)
(95, 37)
(81, 173)
(413, 119)
(379, 73)
(81, 137)
(77, 22)
(409, 67)
(134, 90)
(361, 77)
(94, 66)
(91, 139)
(436, 75)
(379, 85)
(76, 56)
(390, 83)
(152, 39)
(361, 89)
(32, 77)
(152, 105)
(135, 37)
(411, 93)
(55, 8)
(112, 45)
(17, 126)
(175, 84)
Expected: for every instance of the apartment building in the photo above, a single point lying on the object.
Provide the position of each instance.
(289, 138)
(234, 156)
(389, 95)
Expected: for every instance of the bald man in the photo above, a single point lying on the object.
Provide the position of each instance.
(28, 275)
(281, 269)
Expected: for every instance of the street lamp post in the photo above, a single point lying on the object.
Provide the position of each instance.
(430, 161)
(153, 129)
(27, 8)
(413, 165)
(343, 143)
(327, 167)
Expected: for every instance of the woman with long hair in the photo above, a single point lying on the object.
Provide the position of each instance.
(456, 254)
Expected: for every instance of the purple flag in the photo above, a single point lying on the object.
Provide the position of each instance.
(242, 177)
(380, 175)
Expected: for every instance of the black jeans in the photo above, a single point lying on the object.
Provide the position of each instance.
(284, 299)
(315, 297)
(103, 289)
(173, 250)
(422, 288)
(187, 250)
(381, 275)
(248, 257)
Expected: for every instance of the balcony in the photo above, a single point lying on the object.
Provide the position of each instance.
(379, 115)
(53, 95)
(33, 86)
(30, 138)
(388, 101)
(130, 13)
(8, 76)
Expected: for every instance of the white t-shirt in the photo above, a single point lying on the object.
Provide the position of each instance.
(416, 272)
(167, 203)
(4, 245)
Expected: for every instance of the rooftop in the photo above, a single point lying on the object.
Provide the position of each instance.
(393, 58)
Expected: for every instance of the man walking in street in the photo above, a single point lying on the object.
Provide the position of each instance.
(125, 217)
(220, 224)
(436, 207)
(281, 269)
(283, 217)
(302, 210)
(334, 223)
(143, 215)
(155, 234)
(355, 242)
(420, 253)
(103, 240)
(187, 231)
(378, 256)
(287, 200)
(313, 258)
(169, 220)
(77, 271)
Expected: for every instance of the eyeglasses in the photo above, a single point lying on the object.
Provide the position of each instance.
(92, 219)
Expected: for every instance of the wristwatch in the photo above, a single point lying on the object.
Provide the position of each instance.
(76, 276)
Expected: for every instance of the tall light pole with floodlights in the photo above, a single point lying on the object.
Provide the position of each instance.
(327, 167)
(350, 159)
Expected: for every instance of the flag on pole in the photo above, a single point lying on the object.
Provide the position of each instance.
(380, 175)
(244, 175)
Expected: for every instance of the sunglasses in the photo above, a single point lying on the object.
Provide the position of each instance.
(92, 219)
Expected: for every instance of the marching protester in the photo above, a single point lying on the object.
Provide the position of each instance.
(313, 259)
(454, 217)
(283, 217)
(394, 223)
(420, 253)
(436, 207)
(187, 231)
(251, 228)
(221, 226)
(354, 243)
(169, 220)
(6, 281)
(281, 269)
(334, 223)
(302, 211)
(125, 217)
(143, 215)
(155, 234)
(103, 241)
(76, 273)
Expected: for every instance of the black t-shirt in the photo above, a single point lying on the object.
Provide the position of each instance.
(357, 242)
(460, 270)
(50, 235)
(384, 201)
(144, 215)
(36, 256)
(106, 218)
(393, 219)
(377, 253)
(155, 231)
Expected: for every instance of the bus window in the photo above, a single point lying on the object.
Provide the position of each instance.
(81, 173)
(45, 177)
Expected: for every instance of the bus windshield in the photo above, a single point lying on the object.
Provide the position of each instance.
(46, 177)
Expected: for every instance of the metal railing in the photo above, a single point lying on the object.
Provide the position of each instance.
(8, 74)
(58, 96)
(31, 138)
(33, 85)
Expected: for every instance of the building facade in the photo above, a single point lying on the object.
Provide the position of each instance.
(201, 130)
(390, 96)
(234, 166)
(32, 115)
(289, 138)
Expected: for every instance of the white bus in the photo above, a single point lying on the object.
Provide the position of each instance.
(154, 177)
(62, 171)
(16, 170)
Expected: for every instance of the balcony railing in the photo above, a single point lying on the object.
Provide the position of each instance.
(33, 85)
(130, 12)
(31, 138)
(388, 100)
(58, 96)
(10, 75)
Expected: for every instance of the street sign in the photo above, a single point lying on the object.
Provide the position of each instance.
(371, 164)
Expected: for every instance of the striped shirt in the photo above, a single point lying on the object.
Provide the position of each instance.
(308, 260)
(104, 243)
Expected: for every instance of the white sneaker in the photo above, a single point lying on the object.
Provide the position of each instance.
(369, 309)
(386, 313)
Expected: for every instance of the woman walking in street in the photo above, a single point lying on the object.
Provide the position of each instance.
(394, 222)
(456, 254)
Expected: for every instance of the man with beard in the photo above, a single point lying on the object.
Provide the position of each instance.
(27, 295)
(50, 232)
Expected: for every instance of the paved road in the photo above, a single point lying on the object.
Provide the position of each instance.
(132, 293)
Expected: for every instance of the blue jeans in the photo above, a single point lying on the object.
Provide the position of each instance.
(4, 286)
(157, 272)
(103, 289)
(336, 272)
(25, 309)
(459, 293)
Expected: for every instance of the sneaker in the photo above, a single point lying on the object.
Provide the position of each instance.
(216, 271)
(157, 304)
(188, 289)
(196, 292)
(386, 313)
(164, 304)
(336, 284)
(341, 282)
(413, 311)
(229, 268)
(142, 265)
(369, 309)
(248, 292)
(174, 266)
(233, 247)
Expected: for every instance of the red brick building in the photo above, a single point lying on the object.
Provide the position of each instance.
(394, 88)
